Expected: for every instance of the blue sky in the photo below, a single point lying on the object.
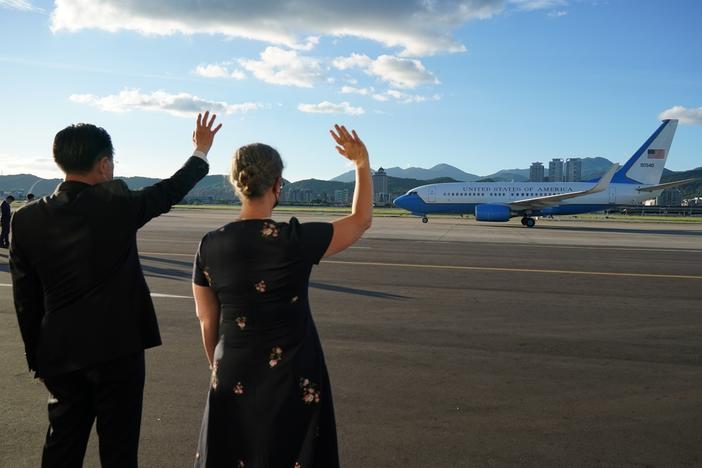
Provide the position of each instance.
(479, 84)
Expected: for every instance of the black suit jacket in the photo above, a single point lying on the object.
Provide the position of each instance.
(79, 290)
(5, 212)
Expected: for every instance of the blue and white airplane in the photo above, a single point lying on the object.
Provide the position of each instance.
(636, 181)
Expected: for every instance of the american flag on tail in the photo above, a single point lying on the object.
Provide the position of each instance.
(656, 154)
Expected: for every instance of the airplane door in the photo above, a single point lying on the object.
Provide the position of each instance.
(612, 195)
(431, 195)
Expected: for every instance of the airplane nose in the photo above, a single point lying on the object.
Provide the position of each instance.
(400, 201)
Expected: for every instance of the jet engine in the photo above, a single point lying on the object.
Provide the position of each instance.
(490, 212)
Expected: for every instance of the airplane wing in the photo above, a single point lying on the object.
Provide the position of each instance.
(551, 200)
(653, 188)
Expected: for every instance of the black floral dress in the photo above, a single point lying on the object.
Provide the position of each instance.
(270, 402)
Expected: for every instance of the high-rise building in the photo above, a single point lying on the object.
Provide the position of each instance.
(536, 172)
(573, 170)
(341, 196)
(381, 197)
(555, 170)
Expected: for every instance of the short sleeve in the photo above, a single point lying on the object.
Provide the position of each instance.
(313, 238)
(199, 277)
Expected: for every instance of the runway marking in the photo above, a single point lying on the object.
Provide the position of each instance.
(175, 296)
(577, 247)
(515, 270)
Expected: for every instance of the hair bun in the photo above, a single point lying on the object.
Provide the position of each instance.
(255, 168)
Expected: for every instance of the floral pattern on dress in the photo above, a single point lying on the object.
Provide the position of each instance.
(297, 465)
(261, 286)
(310, 394)
(269, 230)
(240, 464)
(214, 382)
(241, 322)
(239, 388)
(276, 356)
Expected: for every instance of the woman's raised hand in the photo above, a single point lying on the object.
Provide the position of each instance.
(349, 145)
(203, 135)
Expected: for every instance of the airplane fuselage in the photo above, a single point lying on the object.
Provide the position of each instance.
(463, 197)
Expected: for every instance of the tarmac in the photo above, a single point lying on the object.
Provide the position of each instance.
(449, 344)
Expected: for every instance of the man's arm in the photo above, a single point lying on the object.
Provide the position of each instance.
(29, 299)
(159, 198)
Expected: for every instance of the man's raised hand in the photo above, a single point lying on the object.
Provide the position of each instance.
(349, 145)
(203, 135)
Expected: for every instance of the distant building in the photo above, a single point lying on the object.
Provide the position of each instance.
(536, 172)
(306, 196)
(670, 197)
(341, 197)
(573, 170)
(555, 170)
(694, 201)
(381, 197)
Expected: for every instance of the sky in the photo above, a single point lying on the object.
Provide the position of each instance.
(482, 85)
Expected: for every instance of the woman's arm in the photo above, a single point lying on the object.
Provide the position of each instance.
(207, 310)
(349, 229)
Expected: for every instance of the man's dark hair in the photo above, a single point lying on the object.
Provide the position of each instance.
(30, 196)
(78, 147)
(10, 198)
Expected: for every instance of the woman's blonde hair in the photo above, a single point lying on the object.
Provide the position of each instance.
(255, 168)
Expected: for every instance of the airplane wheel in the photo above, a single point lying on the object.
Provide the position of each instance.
(524, 221)
(530, 222)
(425, 219)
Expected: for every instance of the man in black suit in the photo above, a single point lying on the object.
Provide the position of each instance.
(82, 302)
(5, 216)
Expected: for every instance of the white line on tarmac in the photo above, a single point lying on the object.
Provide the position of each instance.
(175, 296)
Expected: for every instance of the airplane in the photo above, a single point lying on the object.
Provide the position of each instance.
(631, 184)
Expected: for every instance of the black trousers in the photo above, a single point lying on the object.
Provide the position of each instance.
(4, 234)
(110, 392)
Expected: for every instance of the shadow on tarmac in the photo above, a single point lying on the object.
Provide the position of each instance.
(360, 292)
(188, 263)
(167, 273)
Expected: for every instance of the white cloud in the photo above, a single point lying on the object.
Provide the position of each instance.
(219, 71)
(21, 5)
(326, 107)
(284, 67)
(181, 104)
(417, 28)
(353, 90)
(399, 72)
(44, 167)
(557, 13)
(352, 61)
(530, 5)
(691, 116)
(404, 98)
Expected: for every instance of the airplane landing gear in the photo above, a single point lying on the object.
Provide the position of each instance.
(425, 220)
(528, 222)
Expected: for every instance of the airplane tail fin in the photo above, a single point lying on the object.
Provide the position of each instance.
(646, 165)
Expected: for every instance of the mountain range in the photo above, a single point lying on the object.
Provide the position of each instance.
(592, 168)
